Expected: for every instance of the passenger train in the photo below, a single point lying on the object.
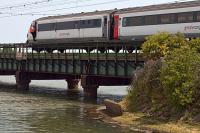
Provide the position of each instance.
(118, 25)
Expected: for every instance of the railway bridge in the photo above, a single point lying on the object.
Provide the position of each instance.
(73, 64)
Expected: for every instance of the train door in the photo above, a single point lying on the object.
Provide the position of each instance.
(110, 27)
(105, 26)
(53, 31)
(82, 27)
(116, 27)
(77, 29)
(36, 28)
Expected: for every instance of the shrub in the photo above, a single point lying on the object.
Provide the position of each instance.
(170, 78)
(160, 44)
(178, 76)
(195, 43)
(146, 87)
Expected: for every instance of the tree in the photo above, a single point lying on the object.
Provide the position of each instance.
(160, 44)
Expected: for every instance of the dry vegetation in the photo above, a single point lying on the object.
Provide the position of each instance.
(142, 121)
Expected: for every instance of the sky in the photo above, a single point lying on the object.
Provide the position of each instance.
(14, 26)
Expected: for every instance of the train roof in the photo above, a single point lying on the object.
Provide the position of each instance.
(160, 7)
(77, 15)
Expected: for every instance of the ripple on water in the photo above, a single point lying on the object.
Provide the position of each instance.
(36, 113)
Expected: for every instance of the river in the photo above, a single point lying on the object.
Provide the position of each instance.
(48, 108)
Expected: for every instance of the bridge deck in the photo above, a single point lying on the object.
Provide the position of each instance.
(75, 61)
(92, 68)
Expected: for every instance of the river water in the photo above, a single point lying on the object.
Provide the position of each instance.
(48, 108)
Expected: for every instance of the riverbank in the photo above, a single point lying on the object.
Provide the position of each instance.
(140, 122)
(144, 123)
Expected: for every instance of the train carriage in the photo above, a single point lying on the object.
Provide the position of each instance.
(136, 23)
(74, 27)
(129, 25)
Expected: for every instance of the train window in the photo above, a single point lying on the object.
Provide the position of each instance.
(89, 22)
(92, 23)
(82, 22)
(185, 17)
(65, 25)
(132, 21)
(105, 21)
(138, 21)
(97, 23)
(76, 24)
(167, 19)
(46, 27)
(151, 20)
(160, 19)
(198, 16)
(124, 22)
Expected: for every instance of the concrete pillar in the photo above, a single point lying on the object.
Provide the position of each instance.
(22, 80)
(72, 84)
(90, 91)
(90, 86)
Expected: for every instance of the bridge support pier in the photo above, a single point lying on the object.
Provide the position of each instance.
(90, 91)
(90, 86)
(72, 84)
(22, 81)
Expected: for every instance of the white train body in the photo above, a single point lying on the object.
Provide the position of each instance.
(189, 29)
(125, 24)
(76, 27)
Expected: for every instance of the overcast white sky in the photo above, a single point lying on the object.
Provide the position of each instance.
(14, 29)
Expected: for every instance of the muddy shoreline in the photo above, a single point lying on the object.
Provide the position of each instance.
(102, 115)
(135, 122)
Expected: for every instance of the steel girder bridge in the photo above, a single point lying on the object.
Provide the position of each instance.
(85, 63)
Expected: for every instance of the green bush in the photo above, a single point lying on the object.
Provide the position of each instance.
(170, 77)
(195, 43)
(160, 44)
(178, 75)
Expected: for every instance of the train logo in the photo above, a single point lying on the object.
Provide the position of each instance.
(192, 28)
(64, 34)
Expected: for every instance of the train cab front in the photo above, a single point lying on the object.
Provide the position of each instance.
(31, 36)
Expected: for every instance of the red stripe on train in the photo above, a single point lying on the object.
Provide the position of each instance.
(116, 27)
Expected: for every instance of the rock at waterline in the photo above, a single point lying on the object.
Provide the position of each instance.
(113, 108)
